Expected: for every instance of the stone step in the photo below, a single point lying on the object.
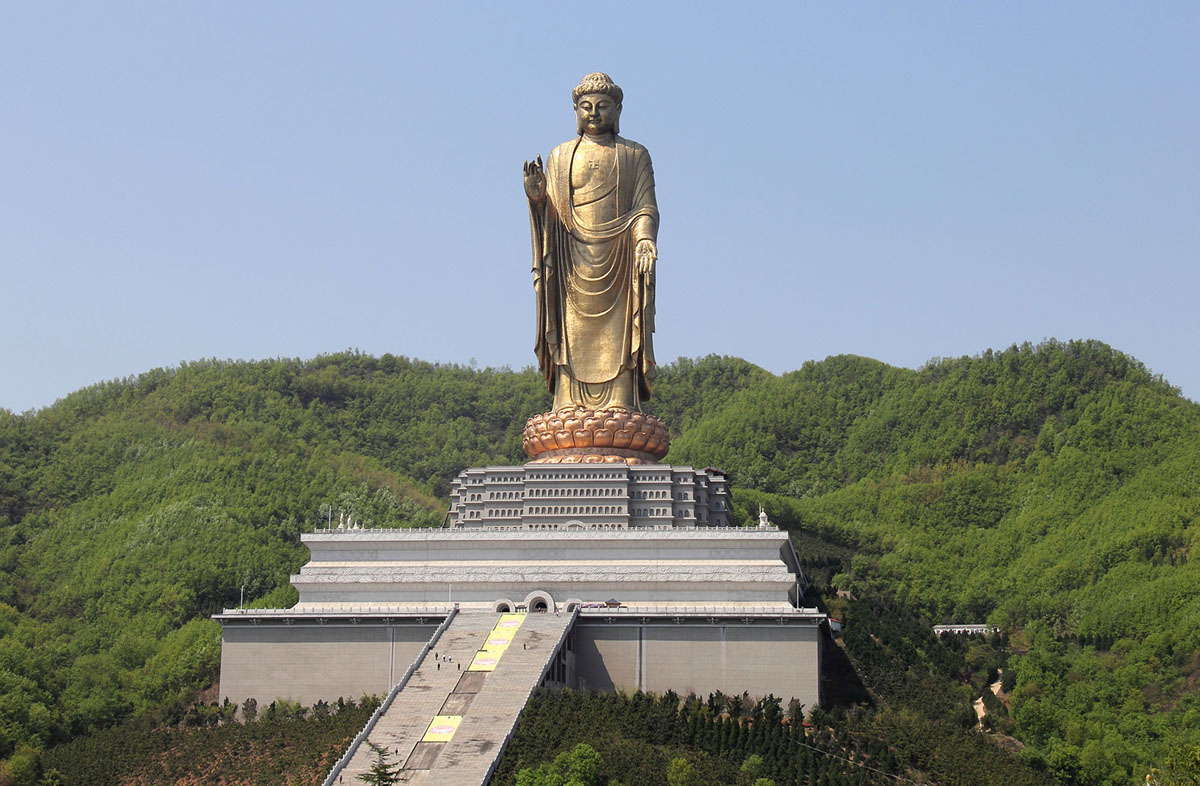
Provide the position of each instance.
(489, 702)
(467, 759)
(403, 725)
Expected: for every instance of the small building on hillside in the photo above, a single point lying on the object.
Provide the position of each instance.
(964, 628)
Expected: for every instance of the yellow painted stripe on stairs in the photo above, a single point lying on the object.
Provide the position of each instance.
(442, 728)
(509, 621)
(484, 661)
(497, 641)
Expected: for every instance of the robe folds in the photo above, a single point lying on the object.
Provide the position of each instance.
(595, 312)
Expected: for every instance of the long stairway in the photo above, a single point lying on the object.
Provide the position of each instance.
(449, 724)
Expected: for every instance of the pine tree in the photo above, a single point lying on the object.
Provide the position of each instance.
(382, 772)
(250, 709)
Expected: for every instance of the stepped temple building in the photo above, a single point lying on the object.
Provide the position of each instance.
(594, 565)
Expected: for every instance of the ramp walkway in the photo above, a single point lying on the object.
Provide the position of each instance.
(451, 721)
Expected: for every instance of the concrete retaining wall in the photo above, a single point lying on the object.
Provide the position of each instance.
(311, 663)
(783, 660)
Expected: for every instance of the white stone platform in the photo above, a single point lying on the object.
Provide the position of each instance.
(720, 568)
(684, 608)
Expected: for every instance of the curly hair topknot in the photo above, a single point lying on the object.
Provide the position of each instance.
(597, 82)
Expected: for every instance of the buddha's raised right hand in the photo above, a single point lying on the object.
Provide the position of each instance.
(535, 180)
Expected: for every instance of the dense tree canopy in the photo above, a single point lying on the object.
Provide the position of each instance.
(1052, 490)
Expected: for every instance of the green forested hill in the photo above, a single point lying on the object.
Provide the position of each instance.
(1053, 490)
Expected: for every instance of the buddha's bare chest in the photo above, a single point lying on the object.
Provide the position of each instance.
(591, 165)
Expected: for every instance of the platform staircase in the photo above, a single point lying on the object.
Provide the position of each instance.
(450, 721)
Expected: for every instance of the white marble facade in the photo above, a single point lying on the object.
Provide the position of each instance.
(670, 568)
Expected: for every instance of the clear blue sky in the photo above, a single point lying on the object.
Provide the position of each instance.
(895, 180)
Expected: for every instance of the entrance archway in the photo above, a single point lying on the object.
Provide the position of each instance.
(540, 601)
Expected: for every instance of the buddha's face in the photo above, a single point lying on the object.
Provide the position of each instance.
(597, 113)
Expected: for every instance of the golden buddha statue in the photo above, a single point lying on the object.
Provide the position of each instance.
(594, 223)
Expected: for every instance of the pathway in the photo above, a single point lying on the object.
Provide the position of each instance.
(450, 723)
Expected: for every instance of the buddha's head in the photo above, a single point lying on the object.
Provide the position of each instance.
(597, 105)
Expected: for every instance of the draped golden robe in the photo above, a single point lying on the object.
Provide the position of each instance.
(595, 312)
